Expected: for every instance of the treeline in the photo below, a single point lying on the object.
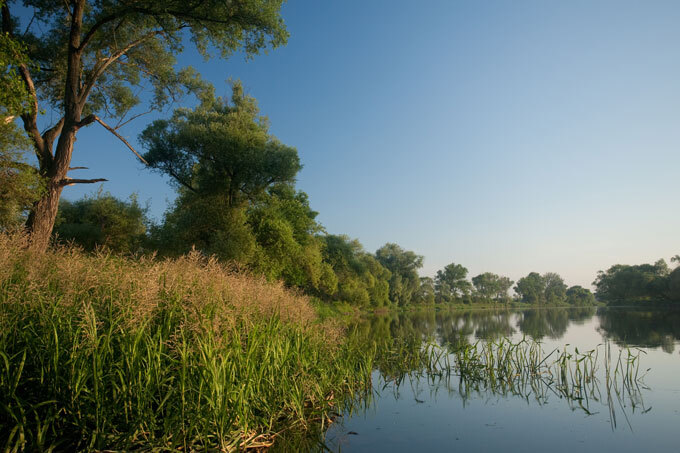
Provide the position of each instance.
(278, 236)
(642, 283)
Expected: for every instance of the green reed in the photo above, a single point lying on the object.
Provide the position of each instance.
(523, 369)
(86, 375)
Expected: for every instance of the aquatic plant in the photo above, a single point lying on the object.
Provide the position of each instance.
(522, 369)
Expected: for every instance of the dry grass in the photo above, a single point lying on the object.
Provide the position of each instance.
(80, 279)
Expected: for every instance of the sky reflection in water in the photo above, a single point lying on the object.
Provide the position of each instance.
(431, 414)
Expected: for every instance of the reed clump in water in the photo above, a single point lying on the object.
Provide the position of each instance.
(100, 351)
(522, 369)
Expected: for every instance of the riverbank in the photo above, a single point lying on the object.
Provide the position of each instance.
(105, 352)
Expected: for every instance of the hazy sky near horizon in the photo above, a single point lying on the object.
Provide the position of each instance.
(508, 136)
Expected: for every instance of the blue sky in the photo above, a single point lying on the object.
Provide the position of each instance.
(508, 136)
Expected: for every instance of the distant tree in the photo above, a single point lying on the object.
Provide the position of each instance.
(676, 259)
(361, 279)
(451, 282)
(625, 283)
(531, 288)
(555, 289)
(661, 268)
(425, 294)
(492, 286)
(486, 285)
(403, 266)
(579, 296)
(504, 284)
(96, 56)
(103, 220)
(674, 285)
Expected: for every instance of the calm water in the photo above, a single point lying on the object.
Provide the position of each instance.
(430, 413)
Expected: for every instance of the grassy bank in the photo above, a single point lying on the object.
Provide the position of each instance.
(104, 352)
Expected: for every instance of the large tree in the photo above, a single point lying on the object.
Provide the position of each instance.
(489, 285)
(223, 161)
(95, 56)
(531, 288)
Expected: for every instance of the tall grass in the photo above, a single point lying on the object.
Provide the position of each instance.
(104, 352)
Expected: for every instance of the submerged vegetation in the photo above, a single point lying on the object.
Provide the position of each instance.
(586, 380)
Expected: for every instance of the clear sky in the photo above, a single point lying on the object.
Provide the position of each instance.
(508, 136)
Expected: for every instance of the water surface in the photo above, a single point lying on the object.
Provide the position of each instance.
(423, 412)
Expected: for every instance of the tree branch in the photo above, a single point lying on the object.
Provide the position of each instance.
(70, 181)
(122, 123)
(51, 134)
(92, 118)
(104, 63)
(91, 32)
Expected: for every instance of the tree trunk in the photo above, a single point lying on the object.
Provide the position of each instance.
(44, 213)
(42, 217)
(41, 220)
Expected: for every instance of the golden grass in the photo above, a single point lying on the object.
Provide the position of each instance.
(80, 279)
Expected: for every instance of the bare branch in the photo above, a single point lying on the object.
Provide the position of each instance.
(78, 168)
(113, 131)
(70, 181)
(30, 22)
(134, 117)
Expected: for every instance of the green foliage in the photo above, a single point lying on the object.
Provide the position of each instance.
(637, 283)
(674, 285)
(103, 220)
(451, 283)
(149, 34)
(222, 149)
(362, 279)
(548, 288)
(206, 223)
(284, 228)
(425, 294)
(14, 97)
(531, 288)
(555, 289)
(20, 184)
(580, 297)
(492, 286)
(403, 266)
(102, 58)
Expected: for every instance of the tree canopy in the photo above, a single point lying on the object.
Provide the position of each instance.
(403, 265)
(97, 56)
(220, 148)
